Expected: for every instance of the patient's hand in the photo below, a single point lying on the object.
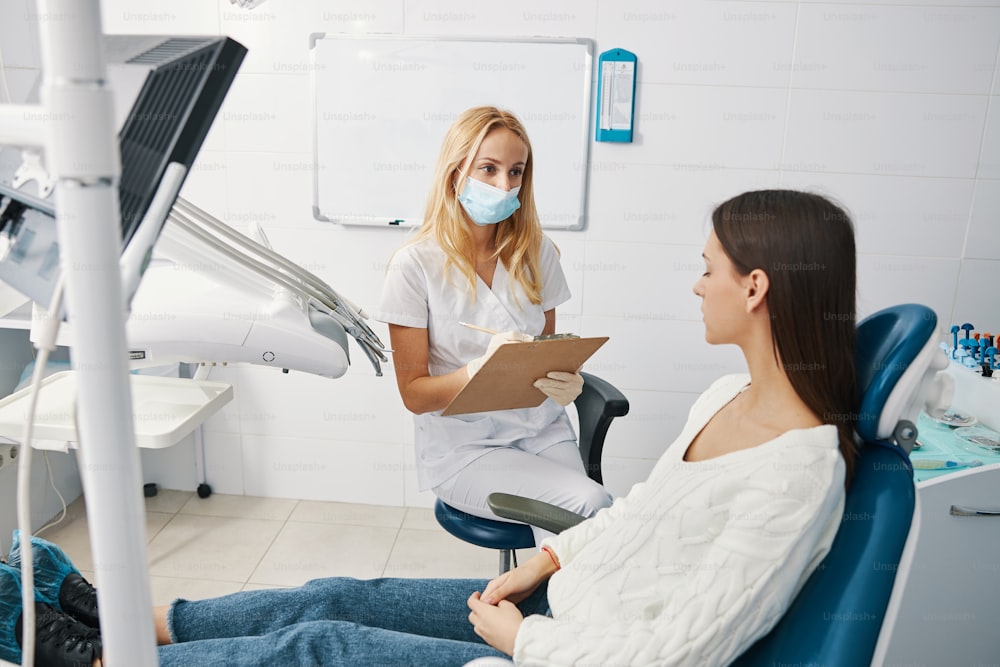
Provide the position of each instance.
(519, 583)
(497, 625)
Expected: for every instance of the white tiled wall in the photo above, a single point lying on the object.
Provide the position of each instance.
(891, 107)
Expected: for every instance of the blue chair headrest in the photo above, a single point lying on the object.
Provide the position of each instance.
(887, 344)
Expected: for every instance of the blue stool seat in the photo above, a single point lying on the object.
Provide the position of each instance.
(486, 533)
(483, 532)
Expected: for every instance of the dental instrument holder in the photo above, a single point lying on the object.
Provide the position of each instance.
(985, 358)
(989, 365)
(968, 328)
(973, 362)
(975, 351)
(76, 128)
(968, 353)
(975, 394)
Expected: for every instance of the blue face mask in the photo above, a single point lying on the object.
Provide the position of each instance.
(487, 205)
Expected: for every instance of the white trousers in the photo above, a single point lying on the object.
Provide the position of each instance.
(555, 475)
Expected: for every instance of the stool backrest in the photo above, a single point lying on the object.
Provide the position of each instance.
(596, 408)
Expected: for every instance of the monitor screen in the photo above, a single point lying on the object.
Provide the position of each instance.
(168, 91)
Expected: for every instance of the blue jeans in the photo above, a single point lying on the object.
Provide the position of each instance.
(337, 621)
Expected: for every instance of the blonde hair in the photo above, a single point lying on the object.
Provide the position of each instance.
(518, 238)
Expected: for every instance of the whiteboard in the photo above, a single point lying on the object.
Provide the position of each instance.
(382, 105)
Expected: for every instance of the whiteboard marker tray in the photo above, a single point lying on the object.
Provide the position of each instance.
(166, 409)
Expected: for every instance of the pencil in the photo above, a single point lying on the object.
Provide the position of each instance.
(479, 328)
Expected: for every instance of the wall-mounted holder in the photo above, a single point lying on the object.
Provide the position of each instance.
(8, 453)
(616, 72)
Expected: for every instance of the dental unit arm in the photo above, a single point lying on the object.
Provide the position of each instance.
(212, 295)
(118, 121)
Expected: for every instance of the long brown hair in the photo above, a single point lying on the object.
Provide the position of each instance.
(518, 238)
(805, 245)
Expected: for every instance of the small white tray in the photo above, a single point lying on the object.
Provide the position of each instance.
(165, 409)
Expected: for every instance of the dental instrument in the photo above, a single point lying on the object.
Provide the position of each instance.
(939, 464)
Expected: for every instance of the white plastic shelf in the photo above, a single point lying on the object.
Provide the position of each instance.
(165, 410)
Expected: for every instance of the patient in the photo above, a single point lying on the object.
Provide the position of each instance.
(689, 568)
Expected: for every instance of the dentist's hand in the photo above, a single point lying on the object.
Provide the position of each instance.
(561, 387)
(498, 339)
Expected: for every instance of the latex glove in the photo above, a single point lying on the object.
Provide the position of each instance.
(498, 339)
(560, 386)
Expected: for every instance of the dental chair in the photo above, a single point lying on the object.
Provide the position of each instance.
(596, 406)
(837, 617)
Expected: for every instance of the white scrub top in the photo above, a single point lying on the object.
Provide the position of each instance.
(418, 293)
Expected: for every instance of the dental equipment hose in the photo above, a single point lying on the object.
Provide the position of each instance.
(46, 343)
(316, 287)
(274, 267)
(279, 269)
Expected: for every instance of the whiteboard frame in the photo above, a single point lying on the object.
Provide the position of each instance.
(575, 221)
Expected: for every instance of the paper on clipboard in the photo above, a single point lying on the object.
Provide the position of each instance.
(506, 379)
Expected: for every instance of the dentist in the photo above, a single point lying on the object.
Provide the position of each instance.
(481, 257)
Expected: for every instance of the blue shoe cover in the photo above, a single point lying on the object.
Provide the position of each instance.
(10, 612)
(51, 567)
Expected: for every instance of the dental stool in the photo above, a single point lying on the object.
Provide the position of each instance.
(597, 406)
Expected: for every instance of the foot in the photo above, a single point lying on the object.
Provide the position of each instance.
(61, 640)
(10, 612)
(58, 582)
(78, 598)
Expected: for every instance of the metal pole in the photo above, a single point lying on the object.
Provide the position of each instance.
(82, 156)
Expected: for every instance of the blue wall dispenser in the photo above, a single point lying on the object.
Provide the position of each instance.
(616, 71)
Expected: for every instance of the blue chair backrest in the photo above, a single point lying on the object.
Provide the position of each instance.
(887, 344)
(836, 618)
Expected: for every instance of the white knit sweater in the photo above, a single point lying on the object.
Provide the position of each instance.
(696, 563)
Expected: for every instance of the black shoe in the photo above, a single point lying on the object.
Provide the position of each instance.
(78, 598)
(61, 640)
(57, 581)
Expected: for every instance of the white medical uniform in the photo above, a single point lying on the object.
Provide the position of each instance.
(418, 293)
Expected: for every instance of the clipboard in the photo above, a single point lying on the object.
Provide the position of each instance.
(505, 380)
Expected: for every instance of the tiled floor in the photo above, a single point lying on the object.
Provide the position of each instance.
(203, 547)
